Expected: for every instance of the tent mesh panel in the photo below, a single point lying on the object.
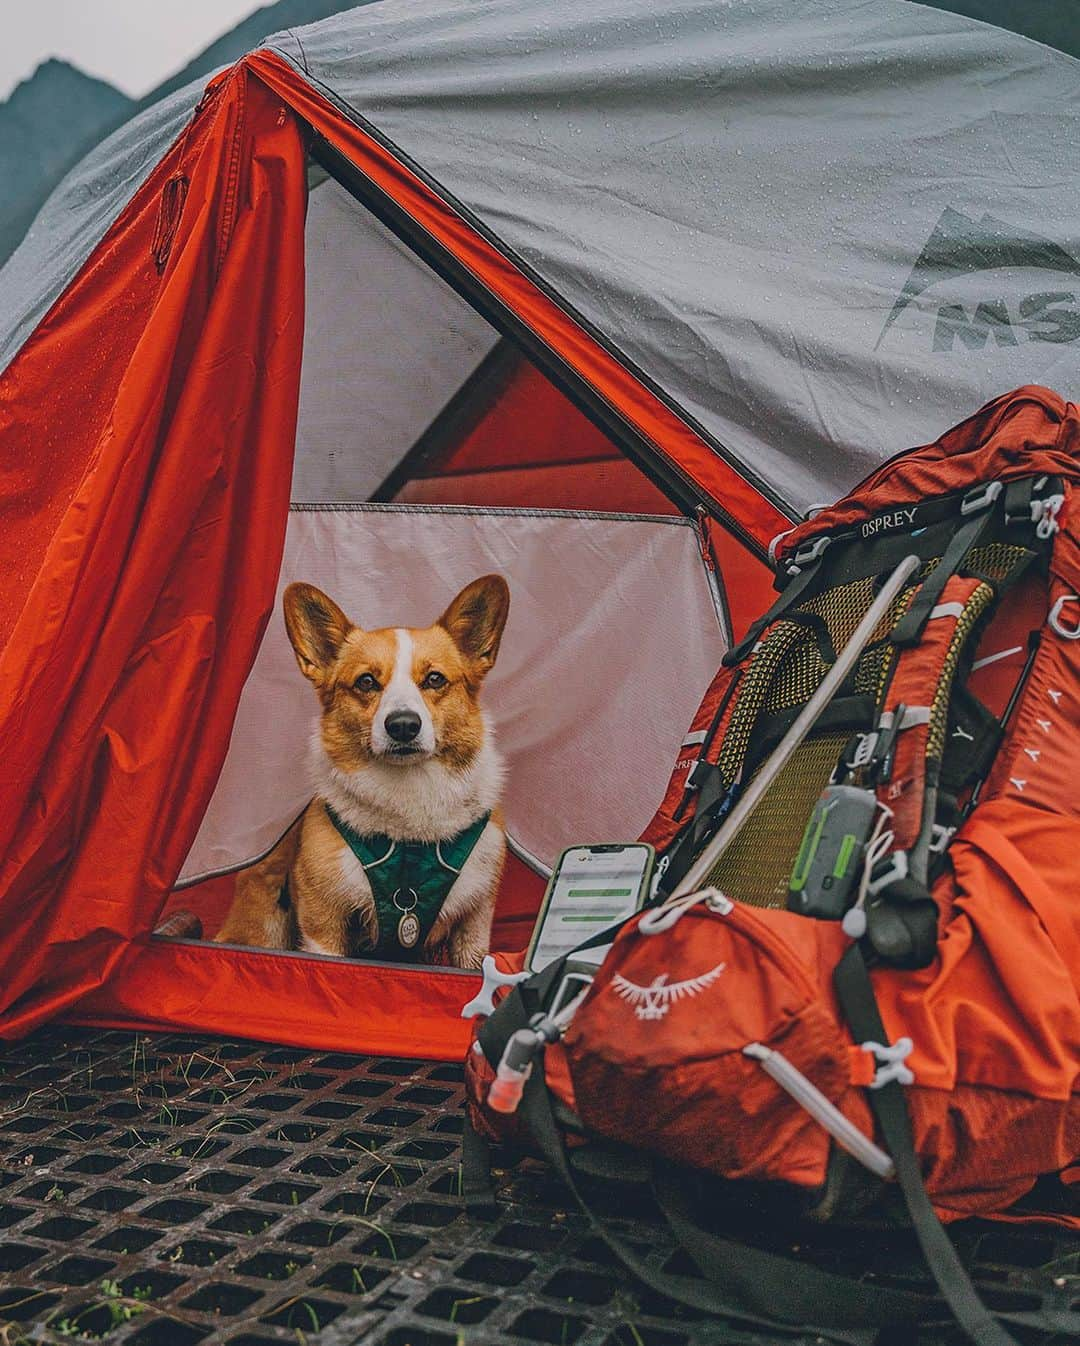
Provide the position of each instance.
(170, 1190)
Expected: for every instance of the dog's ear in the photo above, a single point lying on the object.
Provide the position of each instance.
(317, 628)
(475, 620)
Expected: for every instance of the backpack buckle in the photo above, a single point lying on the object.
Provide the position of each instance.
(865, 746)
(940, 837)
(890, 1062)
(1044, 514)
(896, 870)
(980, 497)
(808, 553)
(1054, 618)
(774, 543)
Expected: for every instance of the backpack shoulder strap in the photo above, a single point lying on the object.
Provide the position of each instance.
(914, 711)
(745, 1284)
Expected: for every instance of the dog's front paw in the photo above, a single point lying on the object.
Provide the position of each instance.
(467, 953)
(437, 944)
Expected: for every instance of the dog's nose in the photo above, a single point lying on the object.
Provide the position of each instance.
(403, 725)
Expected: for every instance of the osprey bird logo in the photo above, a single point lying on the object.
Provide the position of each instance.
(654, 1001)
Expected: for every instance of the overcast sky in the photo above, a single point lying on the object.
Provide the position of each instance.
(134, 44)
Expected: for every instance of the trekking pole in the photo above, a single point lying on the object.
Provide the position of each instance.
(830, 684)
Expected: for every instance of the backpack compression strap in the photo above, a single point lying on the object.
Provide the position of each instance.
(856, 995)
(909, 629)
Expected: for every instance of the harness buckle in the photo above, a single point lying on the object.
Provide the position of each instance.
(808, 553)
(980, 497)
(1054, 618)
(890, 1062)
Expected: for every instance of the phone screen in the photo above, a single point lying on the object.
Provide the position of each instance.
(592, 888)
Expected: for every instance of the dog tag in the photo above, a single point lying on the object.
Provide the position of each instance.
(408, 930)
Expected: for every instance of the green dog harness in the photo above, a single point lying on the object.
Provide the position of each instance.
(409, 881)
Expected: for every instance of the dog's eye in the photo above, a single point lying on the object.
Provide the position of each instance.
(434, 681)
(366, 683)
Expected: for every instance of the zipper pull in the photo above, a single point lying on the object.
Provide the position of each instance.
(701, 515)
(662, 867)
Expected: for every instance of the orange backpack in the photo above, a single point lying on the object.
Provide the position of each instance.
(930, 1037)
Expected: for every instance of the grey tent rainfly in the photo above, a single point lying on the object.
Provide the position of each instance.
(822, 229)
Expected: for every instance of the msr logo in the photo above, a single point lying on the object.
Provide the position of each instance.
(960, 247)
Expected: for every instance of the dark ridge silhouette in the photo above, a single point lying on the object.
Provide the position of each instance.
(56, 116)
(50, 121)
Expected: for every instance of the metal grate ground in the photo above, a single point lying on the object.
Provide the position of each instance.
(169, 1190)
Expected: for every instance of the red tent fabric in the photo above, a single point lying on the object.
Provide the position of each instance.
(143, 533)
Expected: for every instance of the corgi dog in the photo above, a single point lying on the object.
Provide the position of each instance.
(399, 854)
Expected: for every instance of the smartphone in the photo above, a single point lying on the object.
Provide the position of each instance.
(591, 888)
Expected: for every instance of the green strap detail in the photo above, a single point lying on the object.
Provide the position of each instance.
(408, 877)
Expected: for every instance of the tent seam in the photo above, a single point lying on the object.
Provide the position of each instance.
(230, 195)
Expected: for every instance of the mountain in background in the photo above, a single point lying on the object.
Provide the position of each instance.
(57, 115)
(51, 120)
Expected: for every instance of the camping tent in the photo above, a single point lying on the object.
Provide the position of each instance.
(600, 296)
